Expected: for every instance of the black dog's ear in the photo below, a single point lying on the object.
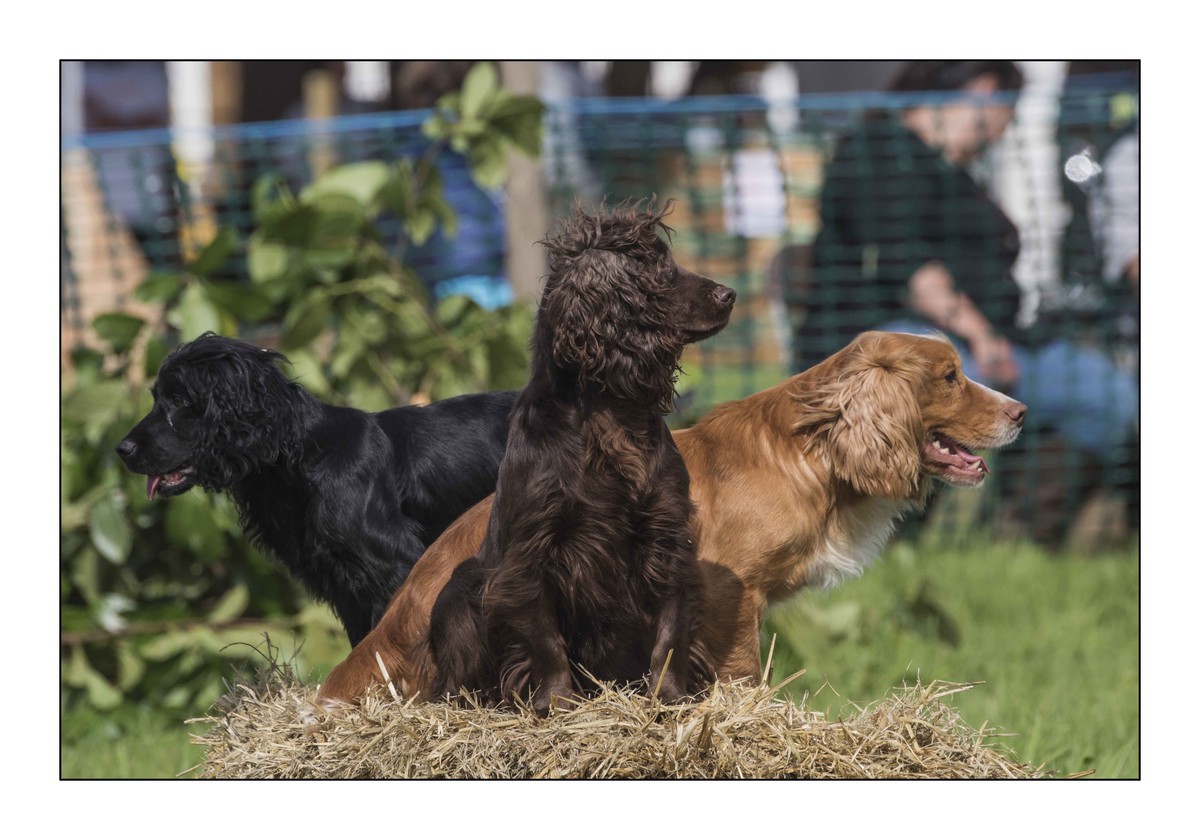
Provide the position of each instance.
(252, 414)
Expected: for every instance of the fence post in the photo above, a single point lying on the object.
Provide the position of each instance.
(321, 101)
(526, 215)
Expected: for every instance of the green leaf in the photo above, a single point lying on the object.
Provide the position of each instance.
(195, 314)
(471, 128)
(110, 532)
(420, 225)
(437, 127)
(72, 620)
(156, 351)
(79, 673)
(487, 161)
(101, 400)
(265, 260)
(326, 263)
(281, 288)
(215, 255)
(307, 371)
(75, 670)
(101, 692)
(119, 329)
(232, 604)
(451, 309)
(338, 216)
(130, 666)
(384, 284)
(367, 324)
(445, 214)
(88, 364)
(166, 645)
(347, 354)
(290, 224)
(270, 192)
(190, 524)
(244, 302)
(159, 287)
(396, 193)
(359, 181)
(305, 320)
(479, 88)
(519, 118)
(85, 574)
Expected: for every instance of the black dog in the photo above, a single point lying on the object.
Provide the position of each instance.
(588, 558)
(347, 500)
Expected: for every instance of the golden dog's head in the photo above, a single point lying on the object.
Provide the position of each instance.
(891, 410)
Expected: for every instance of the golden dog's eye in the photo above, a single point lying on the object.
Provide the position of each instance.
(952, 377)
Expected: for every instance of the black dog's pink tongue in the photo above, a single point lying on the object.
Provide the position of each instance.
(152, 485)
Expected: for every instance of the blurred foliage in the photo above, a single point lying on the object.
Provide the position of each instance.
(159, 600)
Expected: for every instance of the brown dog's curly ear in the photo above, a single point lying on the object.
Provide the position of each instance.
(581, 316)
(865, 412)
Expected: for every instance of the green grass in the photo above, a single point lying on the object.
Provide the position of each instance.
(1054, 639)
(132, 743)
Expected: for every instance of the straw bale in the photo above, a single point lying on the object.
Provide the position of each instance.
(738, 731)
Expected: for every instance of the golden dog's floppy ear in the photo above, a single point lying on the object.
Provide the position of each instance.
(863, 409)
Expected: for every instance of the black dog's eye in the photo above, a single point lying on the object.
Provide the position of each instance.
(176, 403)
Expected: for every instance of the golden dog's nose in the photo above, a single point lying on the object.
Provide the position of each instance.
(1016, 412)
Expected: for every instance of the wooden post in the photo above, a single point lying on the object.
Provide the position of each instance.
(226, 92)
(321, 98)
(526, 216)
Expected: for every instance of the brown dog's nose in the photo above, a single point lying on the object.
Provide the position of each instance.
(1016, 412)
(725, 295)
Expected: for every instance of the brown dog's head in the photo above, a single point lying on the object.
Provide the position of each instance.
(617, 310)
(892, 409)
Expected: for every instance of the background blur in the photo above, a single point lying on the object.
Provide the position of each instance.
(181, 183)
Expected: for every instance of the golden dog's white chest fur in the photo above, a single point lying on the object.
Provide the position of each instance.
(854, 538)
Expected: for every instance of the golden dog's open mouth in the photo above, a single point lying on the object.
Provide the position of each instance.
(953, 462)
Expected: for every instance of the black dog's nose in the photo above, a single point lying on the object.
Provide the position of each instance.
(126, 448)
(725, 295)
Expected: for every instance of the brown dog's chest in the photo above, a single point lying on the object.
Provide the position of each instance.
(630, 456)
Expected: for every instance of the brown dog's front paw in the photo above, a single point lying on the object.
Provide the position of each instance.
(673, 690)
(554, 694)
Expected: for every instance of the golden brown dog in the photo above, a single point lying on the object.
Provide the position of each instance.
(798, 485)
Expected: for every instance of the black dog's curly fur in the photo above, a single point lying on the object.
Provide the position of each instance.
(588, 559)
(346, 500)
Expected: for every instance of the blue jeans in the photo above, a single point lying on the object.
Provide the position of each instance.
(1076, 390)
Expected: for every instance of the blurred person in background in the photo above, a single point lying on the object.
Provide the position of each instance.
(471, 262)
(1097, 295)
(910, 241)
(139, 183)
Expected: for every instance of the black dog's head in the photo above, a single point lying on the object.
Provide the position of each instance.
(617, 310)
(221, 408)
